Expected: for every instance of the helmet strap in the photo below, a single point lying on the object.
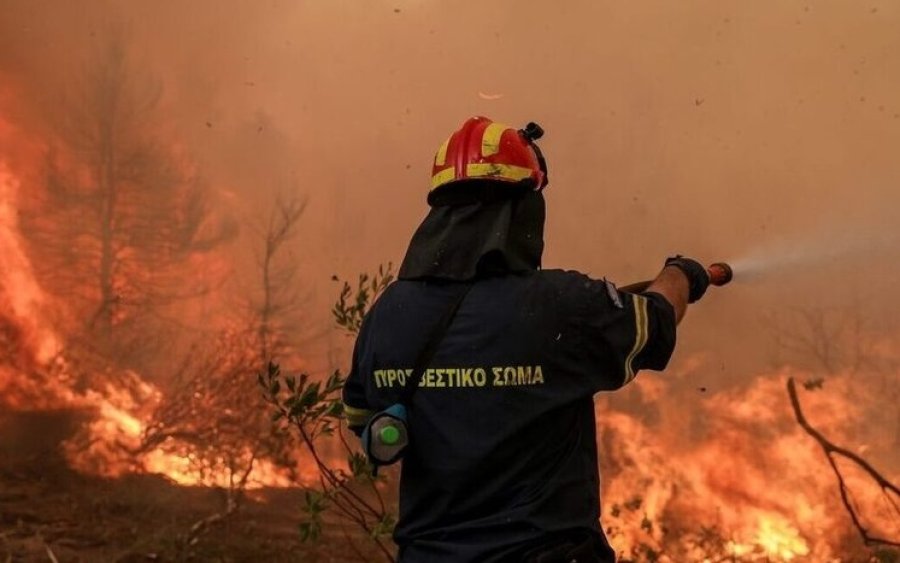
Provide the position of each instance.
(542, 163)
(532, 132)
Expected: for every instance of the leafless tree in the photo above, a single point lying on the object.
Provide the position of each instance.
(280, 299)
(213, 414)
(830, 338)
(833, 452)
(122, 215)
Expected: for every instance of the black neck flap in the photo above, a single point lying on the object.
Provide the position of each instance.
(490, 236)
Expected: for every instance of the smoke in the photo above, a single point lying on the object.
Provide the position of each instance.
(762, 135)
(670, 129)
(845, 244)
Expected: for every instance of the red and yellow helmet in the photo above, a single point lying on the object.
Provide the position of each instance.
(485, 150)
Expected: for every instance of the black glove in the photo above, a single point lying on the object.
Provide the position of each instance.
(698, 279)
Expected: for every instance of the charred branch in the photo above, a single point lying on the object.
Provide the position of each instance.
(276, 281)
(830, 338)
(832, 453)
(122, 218)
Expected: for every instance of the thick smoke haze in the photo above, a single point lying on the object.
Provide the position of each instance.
(761, 132)
(137, 302)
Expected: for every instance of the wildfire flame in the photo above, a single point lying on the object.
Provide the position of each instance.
(775, 538)
(121, 409)
(735, 476)
(21, 291)
(728, 474)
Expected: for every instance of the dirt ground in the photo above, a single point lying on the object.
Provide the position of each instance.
(50, 513)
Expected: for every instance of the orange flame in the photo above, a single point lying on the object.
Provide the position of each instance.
(121, 410)
(727, 475)
(734, 467)
(19, 287)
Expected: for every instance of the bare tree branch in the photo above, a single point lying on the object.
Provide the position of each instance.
(832, 452)
(122, 218)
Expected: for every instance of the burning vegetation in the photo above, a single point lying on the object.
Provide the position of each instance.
(126, 353)
(738, 480)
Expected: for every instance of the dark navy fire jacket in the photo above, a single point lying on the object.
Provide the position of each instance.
(502, 428)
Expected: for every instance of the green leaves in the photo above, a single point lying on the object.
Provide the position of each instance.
(335, 410)
(384, 526)
(309, 396)
(313, 410)
(359, 466)
(315, 503)
(353, 304)
(298, 399)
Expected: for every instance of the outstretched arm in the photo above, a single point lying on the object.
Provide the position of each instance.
(682, 281)
(673, 285)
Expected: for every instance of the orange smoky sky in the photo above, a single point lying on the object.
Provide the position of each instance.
(761, 132)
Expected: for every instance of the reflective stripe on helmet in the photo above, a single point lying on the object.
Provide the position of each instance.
(442, 177)
(490, 141)
(486, 170)
(504, 171)
(441, 157)
(483, 150)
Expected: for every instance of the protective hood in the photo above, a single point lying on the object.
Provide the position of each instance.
(489, 236)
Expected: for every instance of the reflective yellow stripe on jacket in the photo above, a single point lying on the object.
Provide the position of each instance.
(640, 337)
(355, 416)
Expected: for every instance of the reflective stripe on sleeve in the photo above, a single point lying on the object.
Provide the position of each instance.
(355, 416)
(640, 338)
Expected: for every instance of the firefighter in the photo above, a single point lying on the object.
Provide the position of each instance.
(501, 462)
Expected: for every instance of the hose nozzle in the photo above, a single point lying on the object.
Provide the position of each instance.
(720, 273)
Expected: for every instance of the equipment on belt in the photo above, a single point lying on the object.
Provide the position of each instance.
(386, 436)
